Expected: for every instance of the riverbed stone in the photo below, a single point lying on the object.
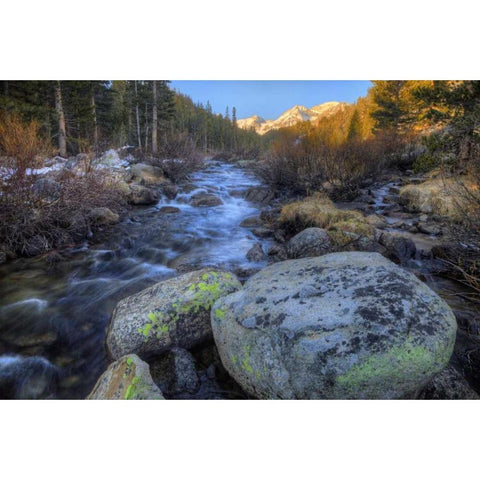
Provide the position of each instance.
(172, 313)
(175, 372)
(259, 195)
(311, 242)
(256, 253)
(251, 222)
(102, 216)
(399, 248)
(128, 378)
(449, 384)
(170, 190)
(342, 326)
(376, 221)
(169, 209)
(205, 200)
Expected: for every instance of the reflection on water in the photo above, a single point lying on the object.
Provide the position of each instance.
(53, 317)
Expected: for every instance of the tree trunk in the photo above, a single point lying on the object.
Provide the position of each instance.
(139, 140)
(62, 142)
(154, 119)
(146, 127)
(95, 126)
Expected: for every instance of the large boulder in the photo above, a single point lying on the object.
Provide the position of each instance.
(343, 326)
(147, 175)
(438, 196)
(311, 242)
(172, 313)
(140, 195)
(126, 379)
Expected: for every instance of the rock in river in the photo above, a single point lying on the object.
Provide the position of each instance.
(311, 242)
(256, 253)
(126, 379)
(205, 200)
(172, 313)
(342, 326)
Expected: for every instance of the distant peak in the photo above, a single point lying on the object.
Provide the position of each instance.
(292, 116)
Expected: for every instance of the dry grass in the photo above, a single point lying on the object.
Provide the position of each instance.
(21, 144)
(319, 211)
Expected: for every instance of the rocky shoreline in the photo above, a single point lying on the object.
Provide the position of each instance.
(314, 324)
(209, 333)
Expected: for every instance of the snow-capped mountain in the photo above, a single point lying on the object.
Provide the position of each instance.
(294, 115)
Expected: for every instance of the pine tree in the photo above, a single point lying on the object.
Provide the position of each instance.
(355, 127)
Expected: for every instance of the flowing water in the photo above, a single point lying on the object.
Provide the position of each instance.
(53, 316)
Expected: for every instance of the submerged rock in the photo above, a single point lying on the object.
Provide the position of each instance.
(344, 325)
(27, 377)
(311, 242)
(172, 313)
(126, 379)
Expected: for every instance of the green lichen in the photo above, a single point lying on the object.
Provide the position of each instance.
(199, 297)
(246, 359)
(401, 364)
(234, 358)
(220, 313)
(135, 389)
(129, 361)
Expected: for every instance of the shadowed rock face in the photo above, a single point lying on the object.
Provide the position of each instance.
(345, 325)
(310, 242)
(172, 313)
(126, 379)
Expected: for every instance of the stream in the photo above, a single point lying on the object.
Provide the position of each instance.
(53, 316)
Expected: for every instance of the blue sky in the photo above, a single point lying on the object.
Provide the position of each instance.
(269, 98)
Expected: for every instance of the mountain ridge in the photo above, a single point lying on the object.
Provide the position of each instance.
(292, 116)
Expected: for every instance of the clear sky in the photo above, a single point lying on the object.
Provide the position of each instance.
(269, 98)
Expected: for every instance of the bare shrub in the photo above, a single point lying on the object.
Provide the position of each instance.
(34, 221)
(305, 164)
(178, 157)
(41, 213)
(463, 254)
